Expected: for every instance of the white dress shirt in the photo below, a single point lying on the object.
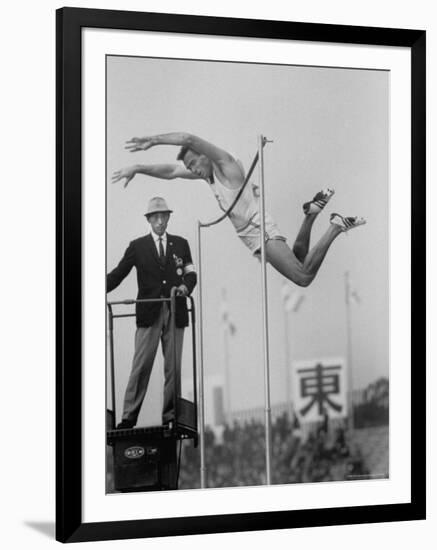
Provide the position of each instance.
(156, 240)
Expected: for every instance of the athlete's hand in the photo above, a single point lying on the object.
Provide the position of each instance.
(139, 144)
(128, 173)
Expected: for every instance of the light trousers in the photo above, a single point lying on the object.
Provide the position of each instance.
(146, 345)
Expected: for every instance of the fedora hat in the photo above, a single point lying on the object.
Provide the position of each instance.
(157, 204)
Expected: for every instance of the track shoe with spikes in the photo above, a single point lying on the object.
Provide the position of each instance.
(346, 223)
(319, 202)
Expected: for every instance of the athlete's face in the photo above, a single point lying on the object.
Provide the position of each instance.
(198, 164)
(159, 222)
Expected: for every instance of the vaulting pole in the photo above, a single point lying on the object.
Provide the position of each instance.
(268, 419)
(200, 361)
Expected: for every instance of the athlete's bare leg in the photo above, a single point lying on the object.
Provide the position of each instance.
(311, 209)
(302, 243)
(282, 258)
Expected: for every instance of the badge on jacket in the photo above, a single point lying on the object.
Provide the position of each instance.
(179, 265)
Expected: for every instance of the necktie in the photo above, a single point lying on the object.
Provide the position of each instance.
(161, 252)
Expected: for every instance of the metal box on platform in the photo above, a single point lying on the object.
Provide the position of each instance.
(145, 459)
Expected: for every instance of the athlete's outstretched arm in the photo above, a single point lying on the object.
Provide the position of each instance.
(222, 158)
(143, 143)
(195, 143)
(162, 171)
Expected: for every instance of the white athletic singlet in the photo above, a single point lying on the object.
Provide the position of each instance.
(245, 215)
(246, 207)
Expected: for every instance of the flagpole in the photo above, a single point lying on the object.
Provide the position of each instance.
(287, 360)
(225, 326)
(291, 302)
(349, 352)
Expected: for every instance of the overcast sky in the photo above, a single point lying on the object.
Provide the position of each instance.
(330, 129)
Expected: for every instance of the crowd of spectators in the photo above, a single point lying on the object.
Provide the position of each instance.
(373, 408)
(237, 457)
(235, 454)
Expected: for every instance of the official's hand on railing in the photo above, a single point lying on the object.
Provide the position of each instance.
(181, 290)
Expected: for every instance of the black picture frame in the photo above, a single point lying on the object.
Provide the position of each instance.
(69, 524)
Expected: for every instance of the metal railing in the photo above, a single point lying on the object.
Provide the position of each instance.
(172, 301)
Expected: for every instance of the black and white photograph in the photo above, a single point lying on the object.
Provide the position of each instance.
(247, 235)
(218, 270)
(240, 275)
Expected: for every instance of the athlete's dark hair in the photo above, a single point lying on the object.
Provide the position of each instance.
(183, 151)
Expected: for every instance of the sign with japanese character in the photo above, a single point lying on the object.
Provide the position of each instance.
(319, 388)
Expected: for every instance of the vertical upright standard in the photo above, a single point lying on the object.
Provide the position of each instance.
(201, 406)
(267, 407)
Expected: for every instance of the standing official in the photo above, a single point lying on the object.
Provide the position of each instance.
(162, 261)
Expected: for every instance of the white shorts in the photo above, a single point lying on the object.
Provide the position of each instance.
(250, 234)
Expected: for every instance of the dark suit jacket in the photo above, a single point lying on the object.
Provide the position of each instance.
(155, 280)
